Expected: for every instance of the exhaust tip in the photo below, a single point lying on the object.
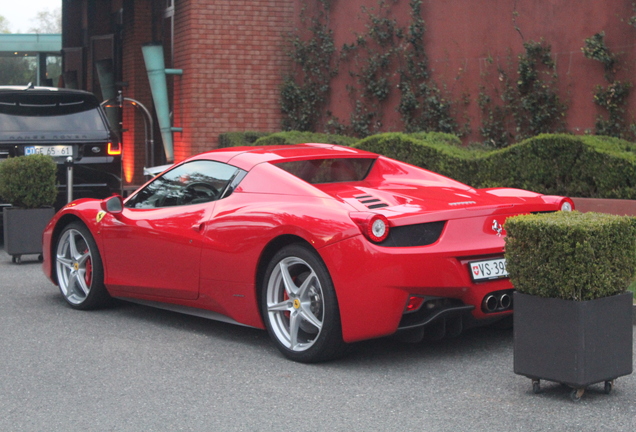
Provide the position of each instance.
(505, 301)
(490, 303)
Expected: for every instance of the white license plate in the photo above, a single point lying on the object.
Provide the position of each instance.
(488, 269)
(56, 150)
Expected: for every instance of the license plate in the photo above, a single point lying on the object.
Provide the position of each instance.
(488, 269)
(56, 150)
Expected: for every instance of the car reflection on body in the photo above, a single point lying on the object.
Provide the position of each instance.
(321, 245)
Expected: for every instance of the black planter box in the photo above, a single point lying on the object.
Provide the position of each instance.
(571, 342)
(23, 229)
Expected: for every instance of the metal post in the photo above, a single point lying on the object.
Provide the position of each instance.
(69, 179)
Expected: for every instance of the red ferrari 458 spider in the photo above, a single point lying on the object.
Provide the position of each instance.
(321, 245)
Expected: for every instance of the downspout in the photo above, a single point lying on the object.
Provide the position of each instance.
(156, 68)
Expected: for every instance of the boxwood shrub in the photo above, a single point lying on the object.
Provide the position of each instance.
(571, 255)
(238, 139)
(296, 137)
(28, 181)
(559, 164)
(554, 164)
(438, 152)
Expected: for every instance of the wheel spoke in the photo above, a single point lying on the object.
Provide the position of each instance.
(304, 288)
(279, 307)
(294, 326)
(80, 282)
(81, 260)
(68, 263)
(306, 313)
(72, 245)
(290, 286)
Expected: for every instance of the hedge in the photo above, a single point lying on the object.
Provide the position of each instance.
(582, 166)
(555, 164)
(571, 255)
(295, 137)
(436, 152)
(238, 139)
(28, 181)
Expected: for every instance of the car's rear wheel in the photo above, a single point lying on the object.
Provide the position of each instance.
(79, 270)
(300, 307)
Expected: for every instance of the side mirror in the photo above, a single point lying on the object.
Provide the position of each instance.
(113, 205)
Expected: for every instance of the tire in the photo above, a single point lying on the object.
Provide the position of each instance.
(300, 308)
(79, 270)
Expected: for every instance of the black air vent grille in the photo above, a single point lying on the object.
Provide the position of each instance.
(371, 202)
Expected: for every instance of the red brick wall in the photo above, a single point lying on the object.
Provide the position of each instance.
(137, 31)
(232, 53)
(463, 36)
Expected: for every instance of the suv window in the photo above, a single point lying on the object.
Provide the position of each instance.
(48, 113)
(191, 183)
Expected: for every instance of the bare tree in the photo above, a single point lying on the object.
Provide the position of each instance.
(4, 25)
(47, 21)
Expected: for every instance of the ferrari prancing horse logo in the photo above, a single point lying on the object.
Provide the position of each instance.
(100, 216)
(497, 227)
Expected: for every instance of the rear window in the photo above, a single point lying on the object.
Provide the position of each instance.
(317, 171)
(47, 113)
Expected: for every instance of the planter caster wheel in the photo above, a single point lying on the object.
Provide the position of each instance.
(576, 394)
(536, 386)
(609, 385)
(16, 259)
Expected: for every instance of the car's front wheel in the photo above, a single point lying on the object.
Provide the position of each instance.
(79, 270)
(300, 307)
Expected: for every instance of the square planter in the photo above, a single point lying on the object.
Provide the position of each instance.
(576, 343)
(23, 230)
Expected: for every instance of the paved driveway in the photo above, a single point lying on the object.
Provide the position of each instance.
(133, 368)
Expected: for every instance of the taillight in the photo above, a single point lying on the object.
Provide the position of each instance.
(373, 226)
(114, 149)
(567, 205)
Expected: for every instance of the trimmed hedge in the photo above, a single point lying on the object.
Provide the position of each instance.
(239, 139)
(583, 166)
(295, 137)
(571, 255)
(438, 152)
(553, 164)
(28, 181)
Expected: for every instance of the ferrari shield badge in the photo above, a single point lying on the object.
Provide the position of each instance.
(100, 216)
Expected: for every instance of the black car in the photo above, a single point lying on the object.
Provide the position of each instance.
(63, 123)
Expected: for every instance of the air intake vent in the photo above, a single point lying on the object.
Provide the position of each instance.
(371, 202)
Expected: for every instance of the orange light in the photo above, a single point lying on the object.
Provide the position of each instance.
(114, 149)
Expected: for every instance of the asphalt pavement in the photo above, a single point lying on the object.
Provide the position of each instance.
(134, 368)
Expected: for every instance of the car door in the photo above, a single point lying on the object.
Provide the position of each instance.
(153, 248)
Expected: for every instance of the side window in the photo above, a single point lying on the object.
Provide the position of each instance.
(191, 183)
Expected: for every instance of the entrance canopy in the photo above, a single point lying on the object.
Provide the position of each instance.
(46, 49)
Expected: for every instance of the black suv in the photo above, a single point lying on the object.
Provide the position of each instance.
(63, 123)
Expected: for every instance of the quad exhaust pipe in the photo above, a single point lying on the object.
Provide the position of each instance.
(497, 302)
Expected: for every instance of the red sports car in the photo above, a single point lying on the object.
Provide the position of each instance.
(321, 245)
